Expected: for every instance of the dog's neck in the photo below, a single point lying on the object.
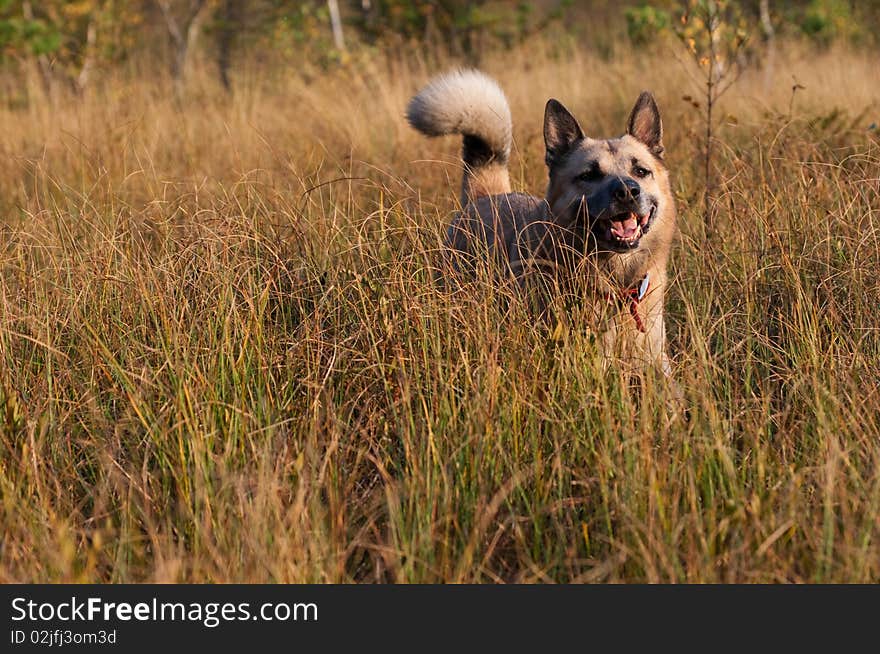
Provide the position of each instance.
(624, 269)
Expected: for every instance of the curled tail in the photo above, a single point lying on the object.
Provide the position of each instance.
(469, 103)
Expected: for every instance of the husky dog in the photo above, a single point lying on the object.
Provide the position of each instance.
(607, 219)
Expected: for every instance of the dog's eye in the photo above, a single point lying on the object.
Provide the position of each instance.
(641, 171)
(594, 174)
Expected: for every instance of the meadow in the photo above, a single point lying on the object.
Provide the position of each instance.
(223, 356)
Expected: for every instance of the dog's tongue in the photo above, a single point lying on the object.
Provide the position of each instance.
(625, 228)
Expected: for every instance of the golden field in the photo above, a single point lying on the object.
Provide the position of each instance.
(223, 356)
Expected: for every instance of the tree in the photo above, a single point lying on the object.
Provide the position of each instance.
(60, 39)
(713, 33)
(183, 21)
(230, 24)
(336, 24)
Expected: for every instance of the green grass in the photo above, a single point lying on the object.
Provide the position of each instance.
(219, 364)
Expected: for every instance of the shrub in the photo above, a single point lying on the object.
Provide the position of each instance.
(645, 24)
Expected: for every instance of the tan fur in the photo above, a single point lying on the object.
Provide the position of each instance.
(554, 237)
(480, 181)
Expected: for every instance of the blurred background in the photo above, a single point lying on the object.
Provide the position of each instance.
(73, 44)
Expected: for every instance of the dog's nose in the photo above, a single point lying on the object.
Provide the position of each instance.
(626, 190)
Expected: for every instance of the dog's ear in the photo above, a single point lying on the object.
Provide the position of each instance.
(561, 131)
(645, 124)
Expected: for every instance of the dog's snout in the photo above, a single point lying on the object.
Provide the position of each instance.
(626, 190)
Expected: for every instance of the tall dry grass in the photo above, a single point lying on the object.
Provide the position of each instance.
(222, 356)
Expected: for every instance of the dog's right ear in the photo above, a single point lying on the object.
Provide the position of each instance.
(561, 131)
(645, 125)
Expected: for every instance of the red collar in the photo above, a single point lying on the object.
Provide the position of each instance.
(631, 297)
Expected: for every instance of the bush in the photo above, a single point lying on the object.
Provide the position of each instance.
(645, 24)
(825, 20)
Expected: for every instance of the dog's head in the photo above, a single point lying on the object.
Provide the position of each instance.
(614, 188)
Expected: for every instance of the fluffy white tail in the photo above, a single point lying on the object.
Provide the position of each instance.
(469, 103)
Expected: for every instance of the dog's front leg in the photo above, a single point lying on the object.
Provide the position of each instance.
(655, 346)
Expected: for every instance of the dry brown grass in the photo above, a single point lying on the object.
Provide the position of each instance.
(222, 357)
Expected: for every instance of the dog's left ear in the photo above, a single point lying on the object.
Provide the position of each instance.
(561, 131)
(645, 124)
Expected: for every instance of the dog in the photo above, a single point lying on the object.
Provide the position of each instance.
(606, 222)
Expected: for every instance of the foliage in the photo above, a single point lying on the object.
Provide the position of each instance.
(646, 23)
(69, 33)
(68, 36)
(713, 32)
(20, 35)
(823, 20)
(460, 24)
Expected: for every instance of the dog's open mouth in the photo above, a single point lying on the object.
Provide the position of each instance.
(624, 230)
